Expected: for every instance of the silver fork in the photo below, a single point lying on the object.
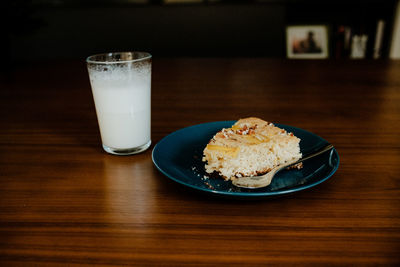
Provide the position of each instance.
(255, 182)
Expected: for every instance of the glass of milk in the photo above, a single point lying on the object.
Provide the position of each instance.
(121, 87)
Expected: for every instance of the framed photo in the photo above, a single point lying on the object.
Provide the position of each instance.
(307, 42)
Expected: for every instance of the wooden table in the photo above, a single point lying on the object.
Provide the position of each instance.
(63, 201)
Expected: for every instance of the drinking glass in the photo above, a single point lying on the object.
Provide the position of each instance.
(121, 88)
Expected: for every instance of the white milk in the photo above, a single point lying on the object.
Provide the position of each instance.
(122, 98)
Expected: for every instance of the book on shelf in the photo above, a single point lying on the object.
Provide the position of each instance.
(395, 42)
(380, 27)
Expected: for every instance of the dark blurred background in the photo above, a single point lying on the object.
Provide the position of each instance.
(71, 29)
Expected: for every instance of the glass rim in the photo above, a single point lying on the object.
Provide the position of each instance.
(145, 56)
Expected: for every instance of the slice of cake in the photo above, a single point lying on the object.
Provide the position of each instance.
(250, 147)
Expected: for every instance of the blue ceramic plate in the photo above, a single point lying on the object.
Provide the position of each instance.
(178, 156)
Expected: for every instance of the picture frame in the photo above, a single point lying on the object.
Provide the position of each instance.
(307, 41)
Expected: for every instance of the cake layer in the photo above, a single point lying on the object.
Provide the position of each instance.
(250, 147)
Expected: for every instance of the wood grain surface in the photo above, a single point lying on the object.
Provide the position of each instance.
(65, 202)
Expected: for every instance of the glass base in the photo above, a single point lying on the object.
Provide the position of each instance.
(126, 151)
